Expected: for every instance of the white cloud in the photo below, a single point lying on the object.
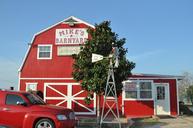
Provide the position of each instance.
(8, 73)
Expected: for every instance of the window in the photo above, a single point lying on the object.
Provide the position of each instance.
(131, 90)
(44, 51)
(34, 99)
(145, 90)
(160, 93)
(31, 86)
(67, 50)
(138, 90)
(12, 99)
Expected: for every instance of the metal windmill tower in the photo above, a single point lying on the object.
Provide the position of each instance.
(108, 114)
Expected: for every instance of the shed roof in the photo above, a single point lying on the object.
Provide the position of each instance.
(154, 76)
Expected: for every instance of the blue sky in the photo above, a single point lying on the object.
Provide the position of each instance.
(159, 33)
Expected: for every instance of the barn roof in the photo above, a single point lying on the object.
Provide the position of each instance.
(67, 20)
(154, 76)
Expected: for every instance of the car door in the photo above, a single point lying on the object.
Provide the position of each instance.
(14, 113)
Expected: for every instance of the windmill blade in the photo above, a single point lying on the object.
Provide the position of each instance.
(96, 57)
(116, 62)
(116, 56)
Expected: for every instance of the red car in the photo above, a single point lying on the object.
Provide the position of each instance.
(26, 110)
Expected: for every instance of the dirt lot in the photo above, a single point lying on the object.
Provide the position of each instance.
(166, 122)
(162, 122)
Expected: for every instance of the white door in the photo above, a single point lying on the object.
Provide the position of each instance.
(162, 99)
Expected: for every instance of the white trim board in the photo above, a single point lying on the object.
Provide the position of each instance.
(151, 78)
(39, 78)
(44, 58)
(177, 89)
(138, 90)
(69, 97)
(31, 83)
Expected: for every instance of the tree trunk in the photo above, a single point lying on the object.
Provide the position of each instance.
(98, 111)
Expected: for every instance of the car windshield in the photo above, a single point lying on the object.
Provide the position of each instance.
(34, 99)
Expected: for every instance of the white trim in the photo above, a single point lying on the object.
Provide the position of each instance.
(69, 93)
(151, 78)
(138, 91)
(80, 21)
(69, 97)
(45, 92)
(26, 54)
(123, 99)
(84, 113)
(27, 78)
(44, 58)
(130, 99)
(63, 98)
(62, 83)
(19, 75)
(63, 21)
(28, 83)
(168, 87)
(61, 102)
(155, 75)
(177, 89)
(55, 91)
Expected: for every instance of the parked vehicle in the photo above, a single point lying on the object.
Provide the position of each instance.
(26, 110)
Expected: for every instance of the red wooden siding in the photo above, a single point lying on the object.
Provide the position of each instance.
(57, 67)
(138, 108)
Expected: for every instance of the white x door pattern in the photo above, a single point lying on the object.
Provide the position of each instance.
(69, 97)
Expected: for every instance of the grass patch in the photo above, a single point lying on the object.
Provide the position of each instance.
(144, 122)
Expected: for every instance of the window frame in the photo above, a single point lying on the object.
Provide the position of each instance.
(38, 52)
(27, 84)
(61, 47)
(130, 90)
(15, 95)
(145, 90)
(138, 90)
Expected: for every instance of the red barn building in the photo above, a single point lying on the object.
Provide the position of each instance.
(47, 66)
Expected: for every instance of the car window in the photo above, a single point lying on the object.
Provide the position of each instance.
(34, 99)
(12, 99)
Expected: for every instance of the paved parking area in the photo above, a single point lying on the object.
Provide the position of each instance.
(179, 122)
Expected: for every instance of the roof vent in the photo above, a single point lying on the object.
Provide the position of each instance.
(71, 22)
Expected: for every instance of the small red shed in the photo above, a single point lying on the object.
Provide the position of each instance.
(47, 66)
(150, 94)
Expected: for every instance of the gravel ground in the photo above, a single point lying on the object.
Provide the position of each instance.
(179, 122)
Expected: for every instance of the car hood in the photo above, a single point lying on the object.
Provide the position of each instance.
(51, 108)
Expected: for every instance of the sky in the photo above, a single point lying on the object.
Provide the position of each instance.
(159, 33)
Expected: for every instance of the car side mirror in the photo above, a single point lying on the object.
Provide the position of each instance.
(21, 103)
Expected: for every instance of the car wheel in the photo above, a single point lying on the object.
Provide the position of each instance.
(45, 123)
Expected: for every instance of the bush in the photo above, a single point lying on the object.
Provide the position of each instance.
(184, 109)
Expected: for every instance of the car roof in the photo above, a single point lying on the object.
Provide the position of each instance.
(12, 91)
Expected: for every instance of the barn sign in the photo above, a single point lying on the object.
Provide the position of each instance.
(68, 50)
(71, 36)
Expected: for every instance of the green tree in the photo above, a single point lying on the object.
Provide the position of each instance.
(190, 93)
(93, 76)
(184, 85)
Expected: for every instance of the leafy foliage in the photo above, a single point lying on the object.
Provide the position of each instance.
(93, 76)
(184, 84)
(190, 93)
